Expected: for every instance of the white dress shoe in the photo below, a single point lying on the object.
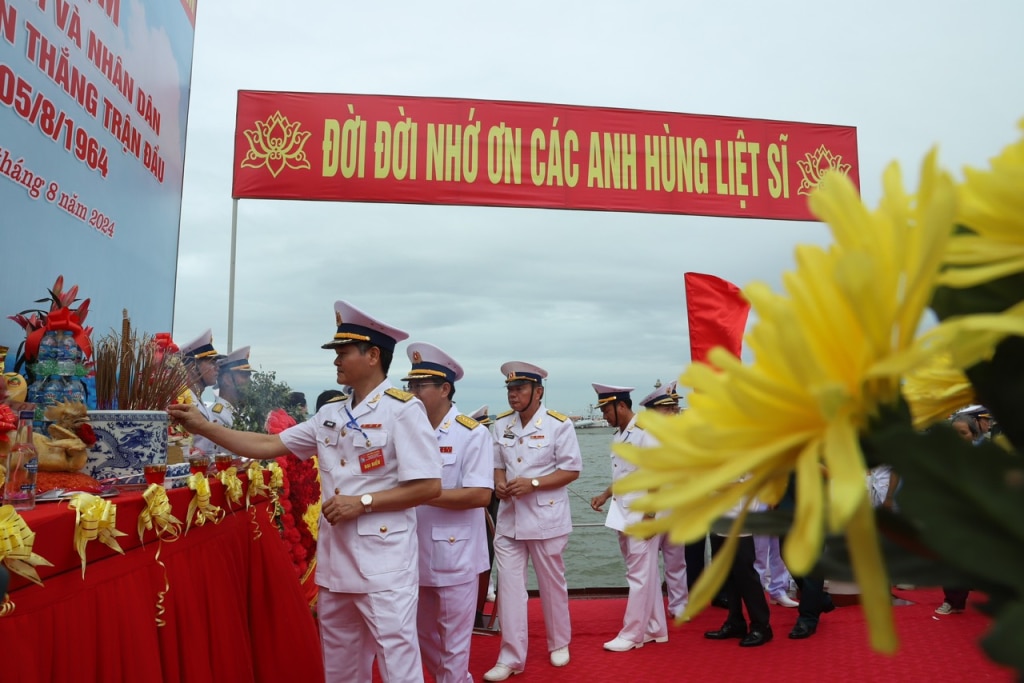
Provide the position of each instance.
(785, 601)
(622, 645)
(560, 657)
(500, 672)
(655, 639)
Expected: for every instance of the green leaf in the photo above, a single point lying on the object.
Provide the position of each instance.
(963, 501)
(1005, 641)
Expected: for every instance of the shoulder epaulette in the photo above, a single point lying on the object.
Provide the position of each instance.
(342, 397)
(557, 415)
(402, 396)
(218, 407)
(505, 414)
(467, 422)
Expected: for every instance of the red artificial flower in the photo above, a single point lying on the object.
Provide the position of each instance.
(86, 433)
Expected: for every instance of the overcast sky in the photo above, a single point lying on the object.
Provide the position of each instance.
(590, 296)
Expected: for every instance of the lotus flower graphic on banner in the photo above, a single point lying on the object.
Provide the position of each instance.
(276, 143)
(814, 166)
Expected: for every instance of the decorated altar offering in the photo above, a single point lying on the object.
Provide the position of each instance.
(57, 351)
(137, 376)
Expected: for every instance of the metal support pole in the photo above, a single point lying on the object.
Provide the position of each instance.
(231, 276)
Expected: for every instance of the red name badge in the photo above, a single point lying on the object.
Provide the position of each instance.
(446, 449)
(372, 460)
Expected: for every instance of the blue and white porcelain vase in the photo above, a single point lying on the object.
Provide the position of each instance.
(126, 441)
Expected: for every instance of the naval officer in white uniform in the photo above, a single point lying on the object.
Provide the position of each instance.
(378, 460)
(536, 457)
(452, 530)
(644, 621)
(201, 359)
(233, 374)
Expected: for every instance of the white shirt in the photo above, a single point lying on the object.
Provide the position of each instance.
(453, 543)
(370, 447)
(545, 444)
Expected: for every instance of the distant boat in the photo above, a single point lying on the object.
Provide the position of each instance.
(591, 423)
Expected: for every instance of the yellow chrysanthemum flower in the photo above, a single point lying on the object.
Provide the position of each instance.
(936, 390)
(812, 388)
(992, 206)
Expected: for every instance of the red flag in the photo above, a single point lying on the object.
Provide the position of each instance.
(717, 315)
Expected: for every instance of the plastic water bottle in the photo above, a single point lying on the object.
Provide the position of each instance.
(47, 347)
(75, 391)
(53, 391)
(22, 466)
(67, 354)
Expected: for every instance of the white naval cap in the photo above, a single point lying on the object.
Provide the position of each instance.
(665, 395)
(237, 360)
(975, 410)
(517, 372)
(356, 326)
(430, 362)
(607, 393)
(201, 347)
(482, 415)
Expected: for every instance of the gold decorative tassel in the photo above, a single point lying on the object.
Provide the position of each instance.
(232, 485)
(95, 519)
(256, 483)
(157, 516)
(200, 507)
(16, 540)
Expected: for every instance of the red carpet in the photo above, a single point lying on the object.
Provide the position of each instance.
(932, 648)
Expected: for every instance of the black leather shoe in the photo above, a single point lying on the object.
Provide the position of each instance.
(727, 631)
(757, 636)
(829, 606)
(802, 630)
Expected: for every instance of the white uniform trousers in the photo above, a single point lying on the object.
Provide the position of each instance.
(445, 625)
(356, 626)
(511, 556)
(674, 557)
(645, 609)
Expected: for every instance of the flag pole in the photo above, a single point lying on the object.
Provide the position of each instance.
(231, 276)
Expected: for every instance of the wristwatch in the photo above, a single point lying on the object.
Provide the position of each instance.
(367, 501)
(535, 483)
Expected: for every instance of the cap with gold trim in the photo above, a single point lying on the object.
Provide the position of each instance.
(665, 395)
(356, 326)
(607, 393)
(201, 348)
(482, 415)
(431, 363)
(517, 372)
(237, 361)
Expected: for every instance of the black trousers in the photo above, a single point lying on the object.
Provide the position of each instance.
(744, 584)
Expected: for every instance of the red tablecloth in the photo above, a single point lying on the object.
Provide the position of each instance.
(234, 610)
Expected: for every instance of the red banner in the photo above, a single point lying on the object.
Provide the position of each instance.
(382, 148)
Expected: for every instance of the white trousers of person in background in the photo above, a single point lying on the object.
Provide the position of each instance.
(445, 618)
(769, 565)
(674, 557)
(351, 625)
(511, 556)
(645, 611)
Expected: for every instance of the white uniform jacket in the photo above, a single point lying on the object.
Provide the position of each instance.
(201, 442)
(374, 446)
(548, 442)
(453, 543)
(620, 512)
(222, 412)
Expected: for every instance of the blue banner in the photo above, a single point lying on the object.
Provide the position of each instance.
(93, 109)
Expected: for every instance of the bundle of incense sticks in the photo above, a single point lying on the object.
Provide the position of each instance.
(131, 375)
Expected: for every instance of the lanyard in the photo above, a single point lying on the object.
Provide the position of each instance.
(352, 424)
